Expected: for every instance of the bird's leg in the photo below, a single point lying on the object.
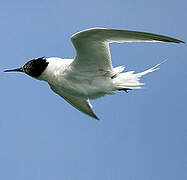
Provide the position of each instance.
(124, 89)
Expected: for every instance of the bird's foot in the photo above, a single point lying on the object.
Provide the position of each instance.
(124, 89)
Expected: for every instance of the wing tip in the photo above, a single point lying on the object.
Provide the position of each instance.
(95, 117)
(178, 41)
(182, 42)
(172, 40)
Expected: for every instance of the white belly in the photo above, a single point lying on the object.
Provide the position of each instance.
(87, 84)
(92, 89)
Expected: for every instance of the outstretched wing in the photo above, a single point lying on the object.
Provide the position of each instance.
(92, 46)
(81, 104)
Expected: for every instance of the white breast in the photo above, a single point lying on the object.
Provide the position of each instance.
(78, 85)
(55, 68)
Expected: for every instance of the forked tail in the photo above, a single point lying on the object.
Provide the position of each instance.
(130, 80)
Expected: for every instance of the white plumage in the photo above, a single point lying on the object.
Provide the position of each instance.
(91, 74)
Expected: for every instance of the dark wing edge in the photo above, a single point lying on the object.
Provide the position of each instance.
(81, 104)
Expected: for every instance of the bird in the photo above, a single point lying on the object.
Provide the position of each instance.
(90, 74)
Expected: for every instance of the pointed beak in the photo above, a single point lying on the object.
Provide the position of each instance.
(14, 70)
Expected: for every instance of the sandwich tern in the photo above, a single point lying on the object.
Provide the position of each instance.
(90, 74)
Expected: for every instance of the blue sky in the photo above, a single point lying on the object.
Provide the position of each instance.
(141, 135)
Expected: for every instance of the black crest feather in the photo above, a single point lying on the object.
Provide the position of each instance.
(35, 67)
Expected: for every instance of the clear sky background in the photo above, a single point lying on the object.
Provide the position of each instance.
(141, 135)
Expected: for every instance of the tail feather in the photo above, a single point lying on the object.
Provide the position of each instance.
(131, 80)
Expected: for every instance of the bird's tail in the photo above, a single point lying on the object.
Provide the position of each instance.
(130, 80)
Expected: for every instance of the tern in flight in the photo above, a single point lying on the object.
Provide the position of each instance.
(90, 74)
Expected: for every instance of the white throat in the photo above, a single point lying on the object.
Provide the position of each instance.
(55, 68)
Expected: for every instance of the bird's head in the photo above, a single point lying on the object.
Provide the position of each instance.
(33, 68)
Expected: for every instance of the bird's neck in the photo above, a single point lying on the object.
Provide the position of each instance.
(55, 69)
